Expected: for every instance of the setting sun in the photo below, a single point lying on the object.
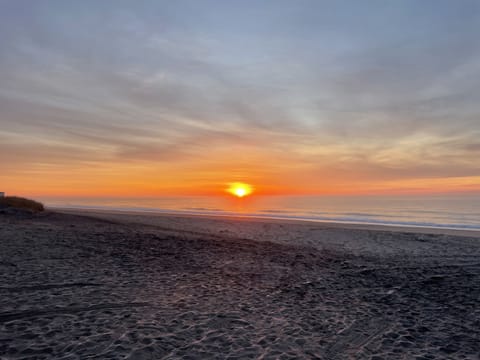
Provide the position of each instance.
(240, 189)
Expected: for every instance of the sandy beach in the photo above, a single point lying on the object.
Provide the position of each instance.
(106, 285)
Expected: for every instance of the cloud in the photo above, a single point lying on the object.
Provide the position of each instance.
(160, 82)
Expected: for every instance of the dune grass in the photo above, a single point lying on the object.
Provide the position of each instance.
(21, 203)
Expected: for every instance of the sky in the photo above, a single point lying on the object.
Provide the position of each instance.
(128, 98)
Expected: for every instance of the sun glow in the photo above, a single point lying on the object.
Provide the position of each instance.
(240, 189)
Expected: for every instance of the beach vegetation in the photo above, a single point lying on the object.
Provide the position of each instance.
(21, 203)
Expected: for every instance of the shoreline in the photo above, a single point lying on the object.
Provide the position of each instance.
(80, 284)
(396, 228)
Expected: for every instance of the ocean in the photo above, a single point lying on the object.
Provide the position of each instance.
(439, 211)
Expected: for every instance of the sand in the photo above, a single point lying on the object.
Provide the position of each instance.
(100, 285)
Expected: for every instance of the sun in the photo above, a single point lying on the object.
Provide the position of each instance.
(240, 189)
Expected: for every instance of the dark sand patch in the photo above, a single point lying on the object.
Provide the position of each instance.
(81, 287)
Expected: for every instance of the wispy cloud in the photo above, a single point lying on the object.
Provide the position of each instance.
(390, 93)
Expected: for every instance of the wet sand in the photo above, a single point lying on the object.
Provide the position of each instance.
(100, 285)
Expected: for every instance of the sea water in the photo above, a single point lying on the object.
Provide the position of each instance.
(442, 211)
